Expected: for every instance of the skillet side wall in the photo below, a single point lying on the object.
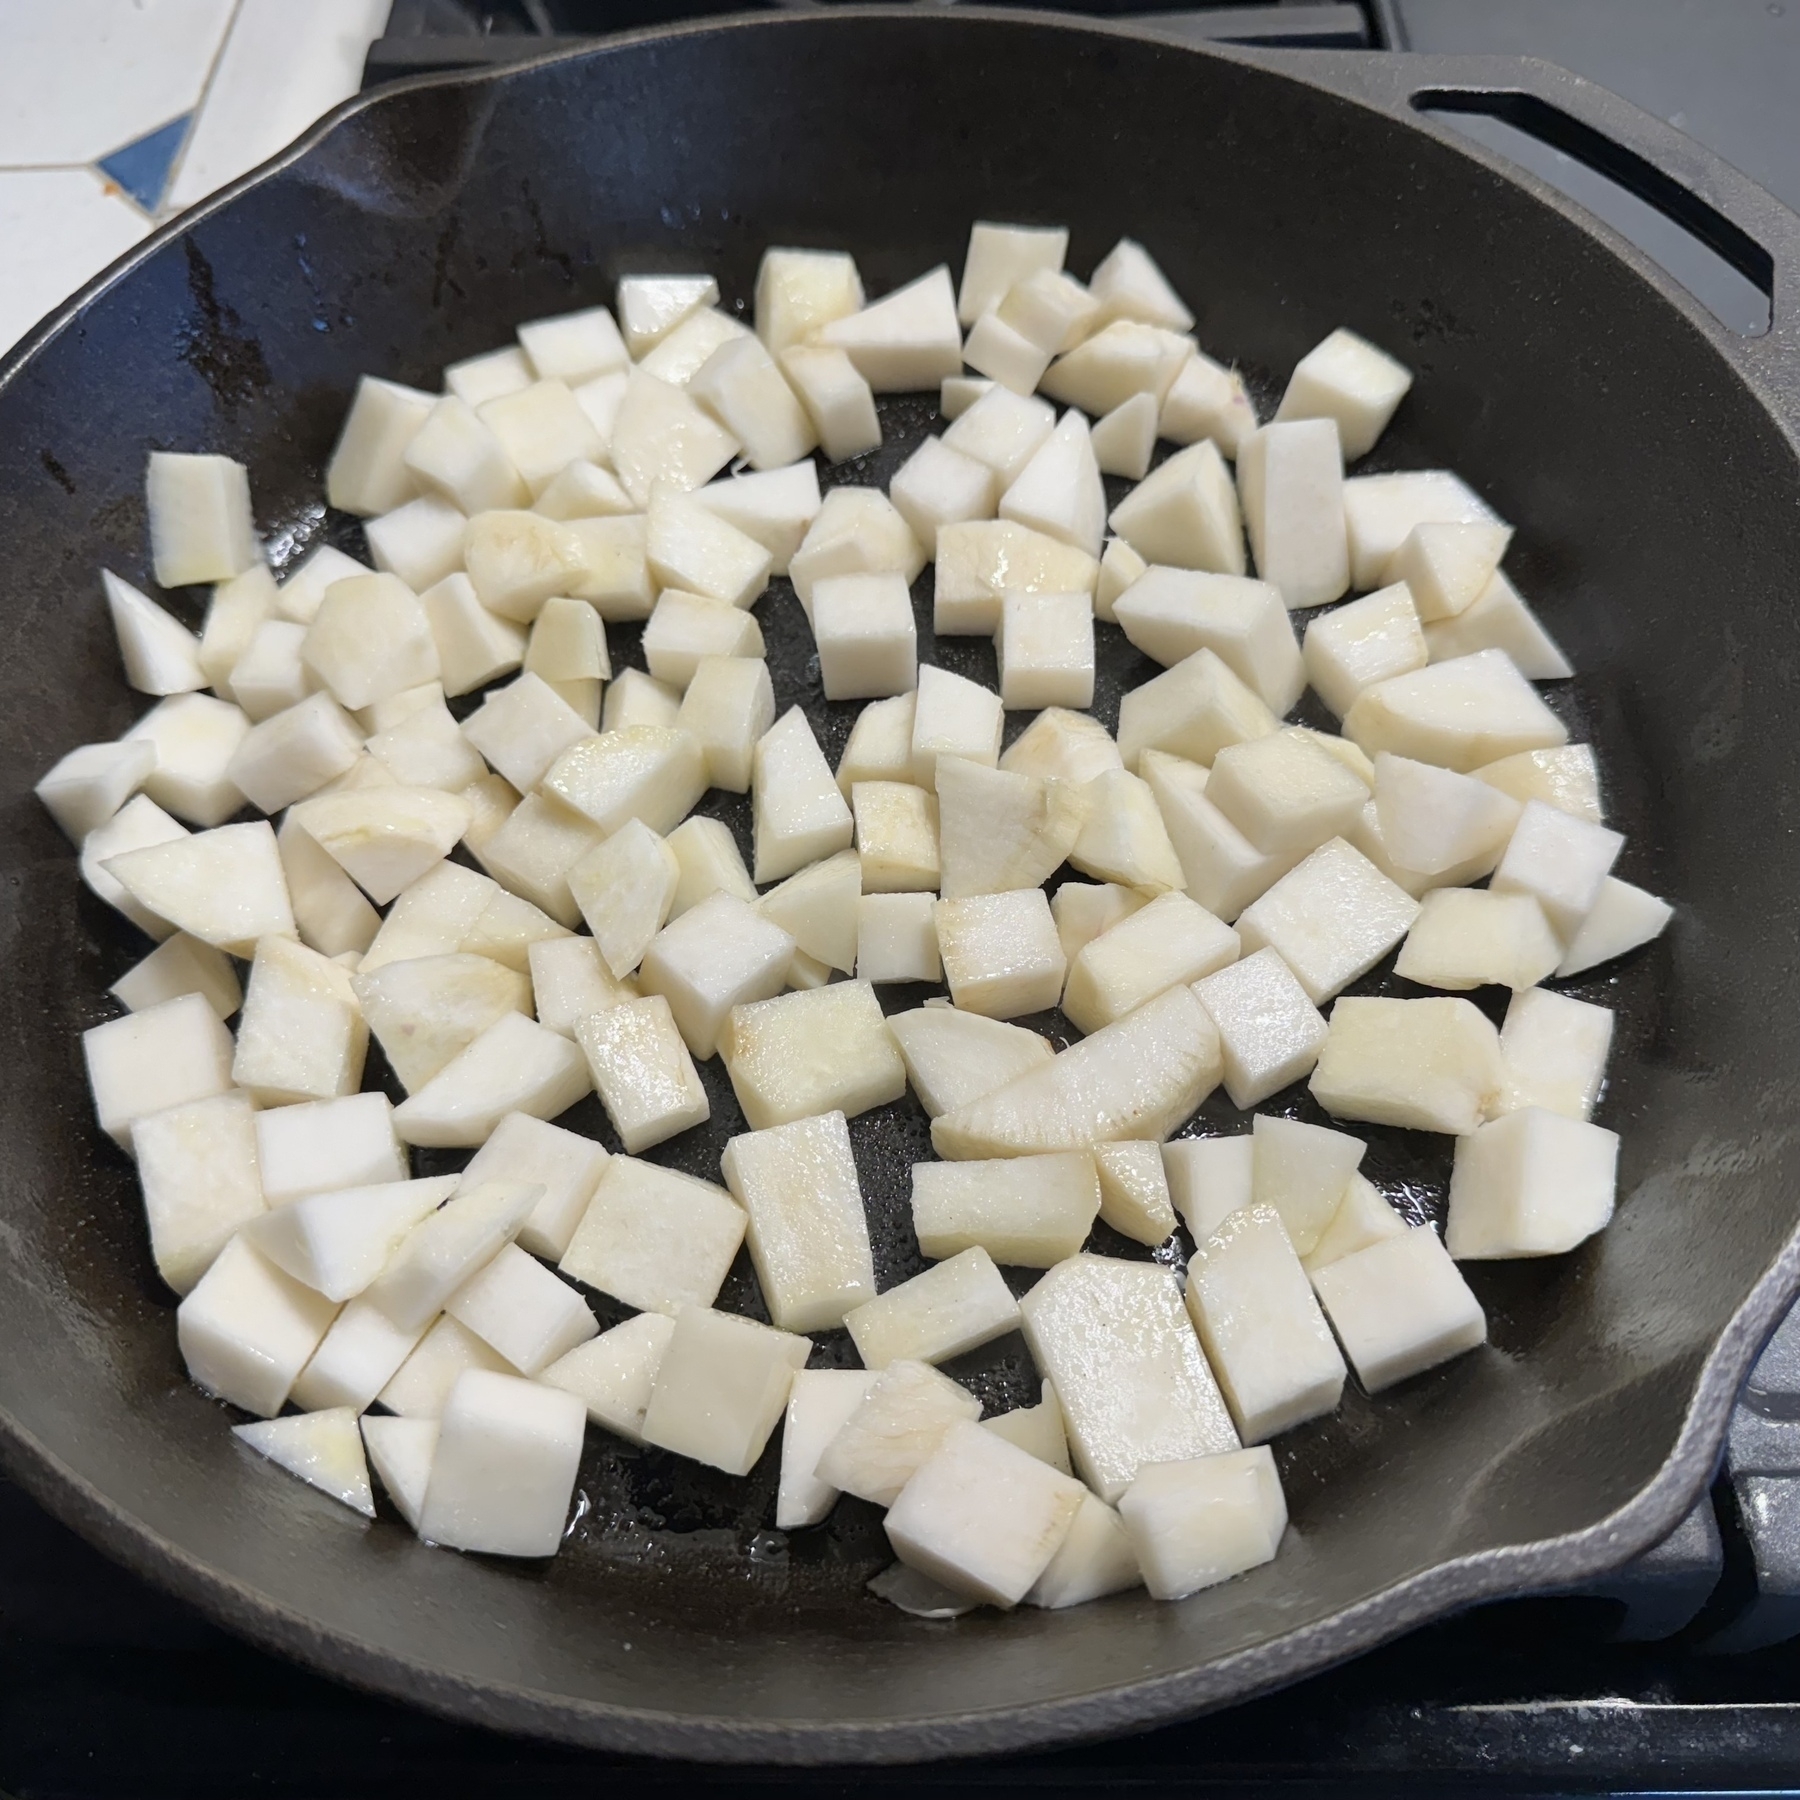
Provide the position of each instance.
(1659, 534)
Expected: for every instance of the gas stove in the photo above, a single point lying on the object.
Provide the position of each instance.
(1682, 1672)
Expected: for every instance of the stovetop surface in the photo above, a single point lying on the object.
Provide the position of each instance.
(108, 1688)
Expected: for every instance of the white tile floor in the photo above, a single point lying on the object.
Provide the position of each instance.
(84, 80)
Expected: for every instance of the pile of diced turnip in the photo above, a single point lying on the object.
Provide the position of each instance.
(520, 904)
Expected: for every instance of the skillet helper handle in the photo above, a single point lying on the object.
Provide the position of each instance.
(1721, 206)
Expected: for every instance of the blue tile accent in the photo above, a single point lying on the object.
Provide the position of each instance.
(142, 168)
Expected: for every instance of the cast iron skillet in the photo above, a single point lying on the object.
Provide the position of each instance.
(1649, 458)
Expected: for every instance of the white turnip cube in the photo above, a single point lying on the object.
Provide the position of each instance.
(421, 1387)
(953, 717)
(957, 1305)
(797, 291)
(651, 306)
(504, 1467)
(421, 542)
(1400, 1307)
(775, 507)
(148, 1061)
(542, 429)
(1002, 430)
(456, 455)
(369, 639)
(710, 863)
(1222, 869)
(1001, 256)
(657, 1240)
(940, 485)
(1193, 710)
(718, 955)
(1561, 861)
(160, 654)
(518, 560)
(385, 838)
(474, 645)
(1474, 937)
(1045, 647)
(612, 1374)
(1002, 351)
(1555, 1049)
(1500, 620)
(327, 1144)
(1347, 379)
(953, 1057)
(840, 403)
(741, 384)
(615, 578)
(224, 887)
(338, 1243)
(799, 814)
(247, 1329)
(269, 675)
(89, 785)
(1363, 1217)
(294, 753)
(1381, 511)
(642, 1071)
(625, 886)
(982, 1515)
(721, 1387)
(1301, 1171)
(355, 1360)
(1448, 566)
(896, 837)
(1284, 793)
(1124, 357)
(1534, 1183)
(817, 908)
(574, 346)
(727, 707)
(1184, 514)
(904, 1417)
(427, 1010)
(1372, 639)
(1171, 613)
(1207, 400)
(1001, 954)
(858, 532)
(1209, 1179)
(1123, 838)
(1438, 822)
(323, 1448)
(478, 379)
(567, 1166)
(1059, 492)
(690, 547)
(1169, 941)
(1037, 1430)
(183, 965)
(1291, 483)
(516, 1306)
(367, 473)
(1084, 909)
(661, 433)
(523, 728)
(980, 560)
(1332, 919)
(1567, 778)
(585, 490)
(1129, 285)
(427, 749)
(1134, 1190)
(680, 356)
(1129, 1373)
(650, 772)
(819, 1404)
(196, 738)
(804, 1053)
(1032, 1211)
(400, 1452)
(448, 1246)
(1201, 1521)
(532, 851)
(880, 743)
(1050, 308)
(200, 523)
(197, 1167)
(569, 981)
(516, 1065)
(1264, 1335)
(1460, 714)
(868, 645)
(302, 590)
(1269, 1030)
(808, 1235)
(1623, 917)
(896, 938)
(1139, 1078)
(329, 908)
(907, 340)
(1125, 439)
(302, 1036)
(1094, 1559)
(1424, 1065)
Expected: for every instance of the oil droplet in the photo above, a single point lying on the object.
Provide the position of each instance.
(583, 1506)
(768, 1547)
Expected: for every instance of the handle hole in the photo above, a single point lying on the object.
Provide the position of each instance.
(1721, 265)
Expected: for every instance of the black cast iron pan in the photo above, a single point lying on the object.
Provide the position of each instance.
(1647, 455)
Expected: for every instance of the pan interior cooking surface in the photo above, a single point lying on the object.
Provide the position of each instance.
(1653, 495)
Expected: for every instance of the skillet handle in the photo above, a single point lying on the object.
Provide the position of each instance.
(1739, 220)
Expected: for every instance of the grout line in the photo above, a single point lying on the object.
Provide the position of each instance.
(187, 137)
